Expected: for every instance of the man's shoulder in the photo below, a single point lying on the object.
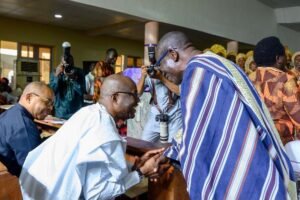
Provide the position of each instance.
(211, 64)
(97, 121)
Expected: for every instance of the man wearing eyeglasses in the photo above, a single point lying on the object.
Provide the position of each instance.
(85, 159)
(19, 133)
(230, 148)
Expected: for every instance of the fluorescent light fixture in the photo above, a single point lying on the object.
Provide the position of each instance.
(58, 16)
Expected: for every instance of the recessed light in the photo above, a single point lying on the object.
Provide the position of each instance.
(58, 16)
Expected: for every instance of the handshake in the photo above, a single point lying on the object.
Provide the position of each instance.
(152, 164)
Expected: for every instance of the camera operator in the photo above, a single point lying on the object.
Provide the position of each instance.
(68, 84)
(165, 105)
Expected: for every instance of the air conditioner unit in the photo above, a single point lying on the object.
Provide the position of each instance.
(28, 70)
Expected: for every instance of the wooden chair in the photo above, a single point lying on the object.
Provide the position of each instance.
(9, 185)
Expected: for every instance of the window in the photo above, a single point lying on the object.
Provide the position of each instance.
(133, 61)
(38, 53)
(8, 57)
(119, 64)
(45, 61)
(27, 51)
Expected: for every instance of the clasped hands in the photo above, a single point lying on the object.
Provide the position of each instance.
(152, 164)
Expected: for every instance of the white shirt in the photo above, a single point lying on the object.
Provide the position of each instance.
(84, 159)
(89, 85)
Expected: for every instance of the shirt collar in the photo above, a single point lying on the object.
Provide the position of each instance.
(24, 110)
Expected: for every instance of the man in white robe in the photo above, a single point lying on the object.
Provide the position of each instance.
(85, 159)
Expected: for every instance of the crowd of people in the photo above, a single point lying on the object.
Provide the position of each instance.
(228, 118)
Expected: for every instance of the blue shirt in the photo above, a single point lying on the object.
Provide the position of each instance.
(19, 135)
(68, 93)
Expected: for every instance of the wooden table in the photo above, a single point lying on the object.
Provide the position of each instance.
(47, 125)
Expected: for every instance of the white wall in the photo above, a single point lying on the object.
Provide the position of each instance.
(242, 20)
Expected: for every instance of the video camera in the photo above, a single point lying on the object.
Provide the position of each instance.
(151, 53)
(68, 58)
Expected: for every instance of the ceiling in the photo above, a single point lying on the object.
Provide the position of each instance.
(286, 12)
(281, 3)
(95, 21)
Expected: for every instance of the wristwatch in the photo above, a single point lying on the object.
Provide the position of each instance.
(141, 175)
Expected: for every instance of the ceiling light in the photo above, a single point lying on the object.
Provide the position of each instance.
(58, 16)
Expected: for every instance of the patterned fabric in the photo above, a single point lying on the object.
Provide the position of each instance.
(280, 93)
(97, 86)
(101, 70)
(229, 148)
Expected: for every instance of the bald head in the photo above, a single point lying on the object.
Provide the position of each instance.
(37, 88)
(119, 96)
(175, 50)
(37, 98)
(116, 83)
(173, 40)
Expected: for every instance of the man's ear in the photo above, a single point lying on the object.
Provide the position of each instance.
(114, 98)
(28, 97)
(174, 55)
(277, 59)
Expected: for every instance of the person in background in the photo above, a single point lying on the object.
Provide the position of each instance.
(101, 70)
(19, 134)
(240, 60)
(111, 58)
(249, 53)
(85, 159)
(89, 86)
(164, 100)
(231, 56)
(5, 82)
(6, 91)
(288, 55)
(295, 71)
(229, 148)
(250, 65)
(219, 50)
(278, 89)
(69, 88)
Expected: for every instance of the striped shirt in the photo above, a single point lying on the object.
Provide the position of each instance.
(229, 148)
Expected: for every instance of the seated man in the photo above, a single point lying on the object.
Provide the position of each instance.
(19, 133)
(86, 157)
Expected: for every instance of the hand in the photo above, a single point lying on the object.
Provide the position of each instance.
(163, 165)
(140, 161)
(144, 71)
(150, 166)
(59, 69)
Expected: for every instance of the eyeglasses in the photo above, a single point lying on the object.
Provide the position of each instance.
(163, 55)
(47, 101)
(134, 94)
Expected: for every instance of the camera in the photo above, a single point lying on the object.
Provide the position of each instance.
(163, 127)
(68, 58)
(151, 53)
(162, 118)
